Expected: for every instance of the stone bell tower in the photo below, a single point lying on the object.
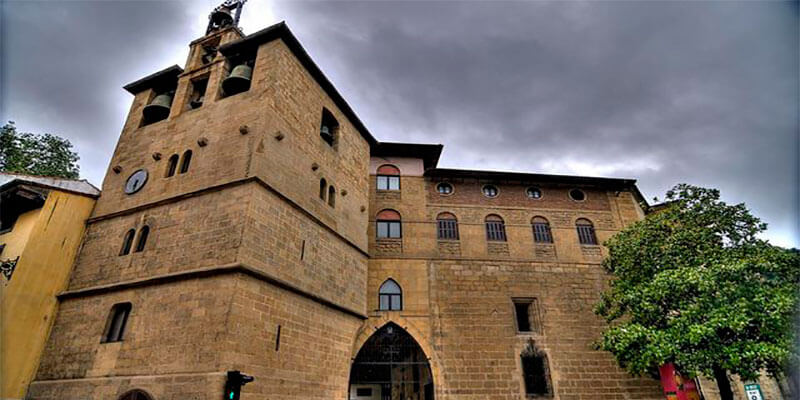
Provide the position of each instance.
(230, 234)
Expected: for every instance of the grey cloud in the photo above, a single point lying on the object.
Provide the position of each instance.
(665, 92)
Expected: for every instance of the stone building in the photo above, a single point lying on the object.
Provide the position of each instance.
(249, 221)
(42, 220)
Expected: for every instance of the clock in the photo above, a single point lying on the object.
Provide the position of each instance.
(136, 181)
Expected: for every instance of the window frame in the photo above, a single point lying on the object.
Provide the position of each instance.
(495, 228)
(127, 242)
(587, 236)
(390, 219)
(496, 191)
(534, 188)
(391, 297)
(446, 227)
(387, 178)
(115, 330)
(542, 233)
(442, 184)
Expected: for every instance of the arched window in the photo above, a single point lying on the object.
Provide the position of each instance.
(446, 226)
(117, 319)
(535, 371)
(136, 394)
(388, 224)
(331, 196)
(187, 158)
(390, 296)
(323, 188)
(172, 165)
(495, 228)
(585, 231)
(142, 238)
(388, 178)
(127, 242)
(541, 230)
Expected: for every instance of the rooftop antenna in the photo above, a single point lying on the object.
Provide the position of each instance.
(223, 16)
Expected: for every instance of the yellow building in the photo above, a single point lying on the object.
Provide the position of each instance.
(42, 221)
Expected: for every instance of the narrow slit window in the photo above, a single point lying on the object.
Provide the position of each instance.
(127, 242)
(187, 159)
(323, 189)
(118, 319)
(172, 165)
(331, 196)
(390, 296)
(198, 95)
(143, 233)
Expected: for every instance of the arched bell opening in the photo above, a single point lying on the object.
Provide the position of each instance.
(391, 365)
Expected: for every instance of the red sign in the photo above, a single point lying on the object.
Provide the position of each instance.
(677, 386)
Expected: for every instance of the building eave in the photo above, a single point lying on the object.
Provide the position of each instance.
(163, 77)
(429, 153)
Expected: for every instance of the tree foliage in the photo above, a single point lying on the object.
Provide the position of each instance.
(46, 155)
(695, 286)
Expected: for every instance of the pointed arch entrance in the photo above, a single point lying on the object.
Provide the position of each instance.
(391, 366)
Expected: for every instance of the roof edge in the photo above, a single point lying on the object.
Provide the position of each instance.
(154, 79)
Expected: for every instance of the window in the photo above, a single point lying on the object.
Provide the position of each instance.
(447, 227)
(541, 230)
(444, 188)
(329, 128)
(388, 178)
(323, 188)
(388, 224)
(142, 238)
(390, 296)
(585, 232)
(331, 196)
(526, 311)
(495, 228)
(118, 318)
(187, 158)
(172, 165)
(198, 92)
(490, 191)
(364, 392)
(535, 373)
(533, 193)
(127, 242)
(577, 195)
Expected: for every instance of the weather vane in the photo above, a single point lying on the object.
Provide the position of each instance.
(223, 16)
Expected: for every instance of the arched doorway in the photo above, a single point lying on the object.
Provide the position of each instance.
(391, 366)
(135, 394)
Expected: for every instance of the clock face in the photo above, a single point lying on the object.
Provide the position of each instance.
(136, 181)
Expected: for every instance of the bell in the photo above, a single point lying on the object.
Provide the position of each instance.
(238, 81)
(221, 17)
(158, 109)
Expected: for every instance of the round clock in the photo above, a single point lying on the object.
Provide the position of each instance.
(136, 181)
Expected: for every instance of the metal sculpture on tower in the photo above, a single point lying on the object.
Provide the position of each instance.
(225, 15)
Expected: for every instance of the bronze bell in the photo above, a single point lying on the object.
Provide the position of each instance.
(221, 17)
(158, 109)
(238, 81)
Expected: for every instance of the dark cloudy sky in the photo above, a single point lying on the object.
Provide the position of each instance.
(664, 92)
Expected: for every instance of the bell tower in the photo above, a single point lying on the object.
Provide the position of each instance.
(231, 233)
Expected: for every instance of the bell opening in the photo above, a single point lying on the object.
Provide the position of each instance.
(158, 109)
(240, 75)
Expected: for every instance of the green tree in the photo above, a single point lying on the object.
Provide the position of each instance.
(693, 285)
(46, 155)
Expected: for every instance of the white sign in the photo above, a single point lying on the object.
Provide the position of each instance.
(753, 392)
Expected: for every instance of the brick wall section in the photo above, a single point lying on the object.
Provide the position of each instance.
(172, 328)
(273, 235)
(313, 360)
(202, 231)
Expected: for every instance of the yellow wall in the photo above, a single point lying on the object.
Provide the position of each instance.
(46, 241)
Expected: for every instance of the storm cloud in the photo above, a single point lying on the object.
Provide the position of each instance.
(664, 92)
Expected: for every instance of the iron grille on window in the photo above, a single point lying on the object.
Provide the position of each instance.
(447, 229)
(495, 231)
(541, 232)
(586, 234)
